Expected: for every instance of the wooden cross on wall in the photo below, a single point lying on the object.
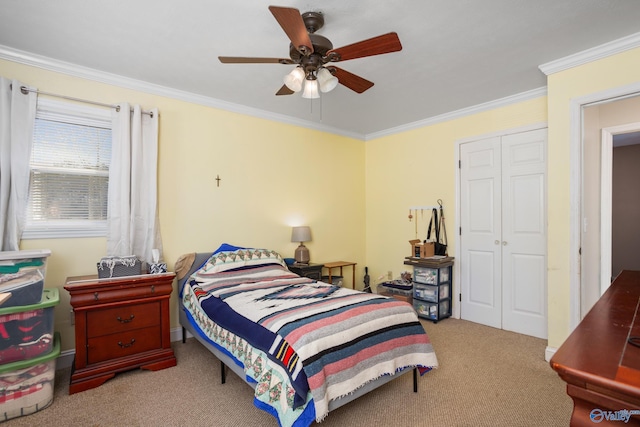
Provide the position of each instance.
(218, 179)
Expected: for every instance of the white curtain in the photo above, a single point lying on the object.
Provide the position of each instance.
(133, 226)
(17, 118)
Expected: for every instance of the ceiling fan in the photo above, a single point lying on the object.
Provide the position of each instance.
(313, 54)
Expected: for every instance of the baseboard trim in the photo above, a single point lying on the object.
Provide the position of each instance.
(176, 334)
(549, 352)
(65, 360)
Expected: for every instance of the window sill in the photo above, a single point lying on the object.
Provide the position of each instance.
(42, 232)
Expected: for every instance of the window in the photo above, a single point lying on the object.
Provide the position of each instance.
(69, 180)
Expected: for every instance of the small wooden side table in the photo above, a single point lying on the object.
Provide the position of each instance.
(336, 264)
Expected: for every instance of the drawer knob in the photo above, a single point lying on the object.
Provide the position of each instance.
(121, 320)
(126, 345)
(95, 296)
(153, 289)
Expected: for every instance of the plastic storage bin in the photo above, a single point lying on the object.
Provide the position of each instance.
(425, 275)
(22, 277)
(27, 331)
(392, 289)
(429, 276)
(433, 311)
(426, 293)
(335, 280)
(431, 293)
(27, 386)
(432, 288)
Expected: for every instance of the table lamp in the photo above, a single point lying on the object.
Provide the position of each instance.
(301, 234)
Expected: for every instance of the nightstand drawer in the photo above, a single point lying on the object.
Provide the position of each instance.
(134, 292)
(113, 346)
(123, 318)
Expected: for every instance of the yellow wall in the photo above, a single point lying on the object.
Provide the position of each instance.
(611, 72)
(273, 176)
(354, 195)
(416, 168)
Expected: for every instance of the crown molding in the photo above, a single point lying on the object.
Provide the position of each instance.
(74, 70)
(508, 100)
(593, 54)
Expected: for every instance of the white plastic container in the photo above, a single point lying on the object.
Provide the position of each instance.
(22, 277)
(27, 386)
(26, 331)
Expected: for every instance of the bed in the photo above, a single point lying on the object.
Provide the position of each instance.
(306, 347)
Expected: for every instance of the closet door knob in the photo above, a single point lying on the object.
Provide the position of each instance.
(504, 243)
(497, 242)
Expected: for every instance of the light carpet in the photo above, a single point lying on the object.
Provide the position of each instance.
(487, 377)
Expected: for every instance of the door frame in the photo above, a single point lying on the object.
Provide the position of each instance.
(456, 291)
(606, 197)
(575, 187)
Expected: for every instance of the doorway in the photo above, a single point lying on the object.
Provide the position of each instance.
(605, 125)
(620, 232)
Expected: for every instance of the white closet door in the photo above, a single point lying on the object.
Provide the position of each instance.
(480, 220)
(524, 243)
(503, 232)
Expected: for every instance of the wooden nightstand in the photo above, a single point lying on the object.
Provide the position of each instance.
(121, 323)
(312, 271)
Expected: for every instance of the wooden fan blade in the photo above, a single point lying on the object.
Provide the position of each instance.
(350, 80)
(385, 43)
(247, 60)
(291, 22)
(284, 90)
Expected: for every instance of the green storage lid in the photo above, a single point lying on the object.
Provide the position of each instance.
(50, 298)
(14, 268)
(23, 364)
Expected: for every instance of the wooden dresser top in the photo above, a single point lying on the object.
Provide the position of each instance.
(598, 352)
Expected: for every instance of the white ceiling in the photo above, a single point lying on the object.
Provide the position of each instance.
(456, 53)
(624, 139)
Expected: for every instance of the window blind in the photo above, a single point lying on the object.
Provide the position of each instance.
(69, 172)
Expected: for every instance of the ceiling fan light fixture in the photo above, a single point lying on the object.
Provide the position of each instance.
(311, 89)
(294, 79)
(310, 52)
(326, 80)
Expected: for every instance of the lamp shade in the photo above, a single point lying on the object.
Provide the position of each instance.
(301, 234)
(311, 89)
(326, 80)
(294, 79)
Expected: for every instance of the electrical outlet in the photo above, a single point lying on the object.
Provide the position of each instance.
(389, 275)
(72, 317)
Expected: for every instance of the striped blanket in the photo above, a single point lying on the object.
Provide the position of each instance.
(331, 340)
